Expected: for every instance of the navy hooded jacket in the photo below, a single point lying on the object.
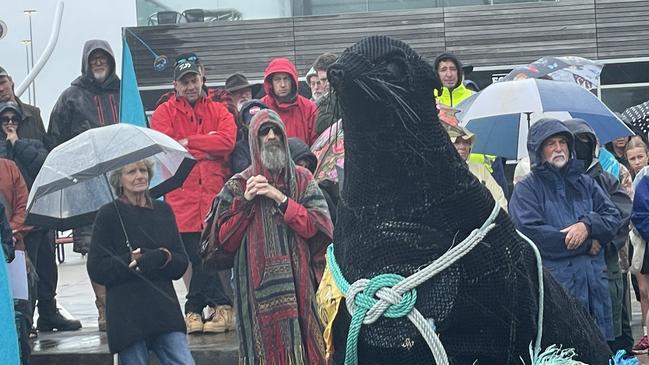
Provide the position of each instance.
(549, 200)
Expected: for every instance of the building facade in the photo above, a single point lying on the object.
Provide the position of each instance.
(493, 36)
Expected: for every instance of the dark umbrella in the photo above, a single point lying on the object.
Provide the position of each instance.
(73, 184)
(638, 117)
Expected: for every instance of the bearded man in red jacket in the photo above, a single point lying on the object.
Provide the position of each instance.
(208, 131)
(297, 112)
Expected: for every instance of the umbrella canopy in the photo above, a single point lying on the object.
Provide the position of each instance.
(329, 148)
(581, 71)
(72, 184)
(501, 114)
(638, 117)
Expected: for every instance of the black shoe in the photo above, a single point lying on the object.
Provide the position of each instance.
(56, 321)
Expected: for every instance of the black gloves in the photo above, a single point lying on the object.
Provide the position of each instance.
(151, 260)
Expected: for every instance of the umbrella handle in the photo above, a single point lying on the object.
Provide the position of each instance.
(119, 215)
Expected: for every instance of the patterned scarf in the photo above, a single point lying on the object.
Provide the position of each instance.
(276, 270)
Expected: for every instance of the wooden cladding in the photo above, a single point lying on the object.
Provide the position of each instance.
(479, 35)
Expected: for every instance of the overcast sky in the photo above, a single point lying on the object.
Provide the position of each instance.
(82, 20)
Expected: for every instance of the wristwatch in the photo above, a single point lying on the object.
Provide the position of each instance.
(284, 204)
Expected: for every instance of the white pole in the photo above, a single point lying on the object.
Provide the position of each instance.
(54, 37)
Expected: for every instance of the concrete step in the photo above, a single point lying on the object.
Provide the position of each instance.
(90, 347)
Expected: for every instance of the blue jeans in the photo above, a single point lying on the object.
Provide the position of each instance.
(171, 349)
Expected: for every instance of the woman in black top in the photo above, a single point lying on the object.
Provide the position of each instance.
(142, 308)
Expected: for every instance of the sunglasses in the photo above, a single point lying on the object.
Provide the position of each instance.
(264, 129)
(190, 59)
(15, 119)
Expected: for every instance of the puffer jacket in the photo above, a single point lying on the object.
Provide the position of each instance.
(298, 114)
(549, 200)
(29, 154)
(86, 103)
(211, 133)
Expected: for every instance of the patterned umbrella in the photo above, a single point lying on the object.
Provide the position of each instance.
(329, 148)
(581, 71)
(638, 117)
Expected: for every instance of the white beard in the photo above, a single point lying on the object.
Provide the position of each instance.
(558, 163)
(100, 76)
(273, 157)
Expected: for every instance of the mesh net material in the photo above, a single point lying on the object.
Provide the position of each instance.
(406, 199)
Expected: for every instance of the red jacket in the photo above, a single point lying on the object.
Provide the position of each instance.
(211, 134)
(299, 115)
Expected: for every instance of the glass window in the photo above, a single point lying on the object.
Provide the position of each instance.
(149, 12)
(625, 73)
(619, 99)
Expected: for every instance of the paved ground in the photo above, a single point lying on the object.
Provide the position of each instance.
(75, 296)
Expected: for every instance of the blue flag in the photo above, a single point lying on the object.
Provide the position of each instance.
(131, 109)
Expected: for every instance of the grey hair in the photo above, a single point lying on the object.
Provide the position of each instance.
(115, 175)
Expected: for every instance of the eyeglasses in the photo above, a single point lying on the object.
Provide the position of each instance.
(190, 59)
(14, 118)
(98, 60)
(264, 129)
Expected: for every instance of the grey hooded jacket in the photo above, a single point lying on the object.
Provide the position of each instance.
(86, 103)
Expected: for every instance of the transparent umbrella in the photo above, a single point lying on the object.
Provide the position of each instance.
(73, 182)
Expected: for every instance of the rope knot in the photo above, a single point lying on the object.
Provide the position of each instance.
(376, 297)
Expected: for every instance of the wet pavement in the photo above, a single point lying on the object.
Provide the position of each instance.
(89, 346)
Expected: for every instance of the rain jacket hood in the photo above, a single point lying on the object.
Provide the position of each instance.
(451, 57)
(590, 149)
(455, 95)
(280, 65)
(297, 113)
(267, 116)
(86, 79)
(300, 151)
(542, 130)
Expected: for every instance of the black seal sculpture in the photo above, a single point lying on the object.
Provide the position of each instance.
(407, 200)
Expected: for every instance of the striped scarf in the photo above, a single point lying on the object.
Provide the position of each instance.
(276, 269)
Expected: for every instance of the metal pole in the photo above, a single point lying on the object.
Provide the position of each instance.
(31, 46)
(26, 43)
(54, 36)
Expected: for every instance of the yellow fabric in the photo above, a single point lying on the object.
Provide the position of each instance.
(485, 177)
(453, 99)
(329, 298)
(484, 160)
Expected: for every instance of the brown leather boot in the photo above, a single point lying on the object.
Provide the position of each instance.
(100, 302)
(101, 308)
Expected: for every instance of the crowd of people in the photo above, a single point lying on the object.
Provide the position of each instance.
(577, 200)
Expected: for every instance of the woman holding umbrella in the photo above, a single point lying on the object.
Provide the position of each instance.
(136, 252)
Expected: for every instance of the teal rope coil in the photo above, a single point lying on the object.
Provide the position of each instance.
(397, 295)
(364, 301)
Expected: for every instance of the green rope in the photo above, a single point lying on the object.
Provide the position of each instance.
(365, 300)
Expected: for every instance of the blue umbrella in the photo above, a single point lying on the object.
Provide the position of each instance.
(501, 114)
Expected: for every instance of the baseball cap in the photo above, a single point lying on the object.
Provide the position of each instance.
(249, 109)
(10, 105)
(184, 68)
(187, 57)
(3, 72)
